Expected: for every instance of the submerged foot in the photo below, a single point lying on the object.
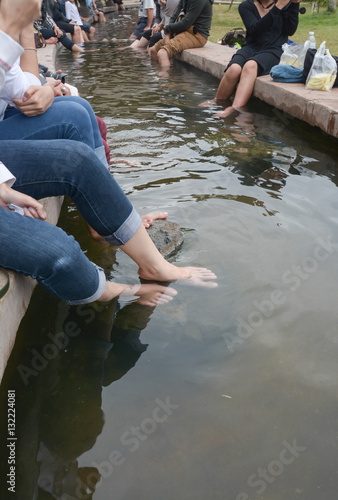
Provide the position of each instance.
(193, 276)
(226, 112)
(208, 103)
(148, 219)
(149, 294)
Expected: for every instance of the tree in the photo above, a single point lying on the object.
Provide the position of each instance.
(331, 6)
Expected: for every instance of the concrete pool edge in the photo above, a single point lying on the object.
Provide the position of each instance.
(317, 108)
(14, 303)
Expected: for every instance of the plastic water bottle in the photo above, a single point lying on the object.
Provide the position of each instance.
(312, 40)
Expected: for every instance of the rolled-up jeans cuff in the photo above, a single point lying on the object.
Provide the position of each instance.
(101, 154)
(126, 230)
(99, 291)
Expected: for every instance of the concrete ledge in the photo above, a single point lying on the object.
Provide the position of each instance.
(319, 109)
(15, 302)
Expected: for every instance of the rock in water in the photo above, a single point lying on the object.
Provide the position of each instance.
(167, 236)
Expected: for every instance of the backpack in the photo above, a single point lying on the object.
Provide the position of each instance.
(237, 35)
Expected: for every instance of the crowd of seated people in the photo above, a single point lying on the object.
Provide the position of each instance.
(164, 11)
(44, 155)
(178, 25)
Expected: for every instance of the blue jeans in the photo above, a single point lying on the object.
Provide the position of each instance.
(69, 117)
(46, 252)
(141, 24)
(49, 33)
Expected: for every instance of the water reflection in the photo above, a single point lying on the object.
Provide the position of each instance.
(60, 386)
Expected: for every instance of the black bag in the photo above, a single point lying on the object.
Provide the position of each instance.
(237, 35)
(310, 54)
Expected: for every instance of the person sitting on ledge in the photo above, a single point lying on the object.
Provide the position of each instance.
(54, 9)
(190, 32)
(72, 12)
(268, 25)
(91, 4)
(145, 18)
(164, 11)
(50, 31)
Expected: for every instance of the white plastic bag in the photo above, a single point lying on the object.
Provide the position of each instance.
(294, 55)
(323, 71)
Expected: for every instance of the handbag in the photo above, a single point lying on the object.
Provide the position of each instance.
(233, 37)
(40, 42)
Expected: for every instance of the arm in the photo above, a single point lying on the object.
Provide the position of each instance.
(256, 26)
(291, 17)
(195, 8)
(9, 196)
(29, 60)
(150, 17)
(15, 14)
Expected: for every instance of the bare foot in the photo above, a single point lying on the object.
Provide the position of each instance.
(193, 276)
(148, 219)
(149, 294)
(206, 104)
(225, 113)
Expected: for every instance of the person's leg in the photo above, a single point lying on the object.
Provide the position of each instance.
(64, 167)
(154, 39)
(89, 29)
(246, 84)
(45, 252)
(67, 27)
(98, 144)
(66, 42)
(185, 40)
(77, 35)
(61, 121)
(102, 17)
(51, 168)
(138, 31)
(228, 83)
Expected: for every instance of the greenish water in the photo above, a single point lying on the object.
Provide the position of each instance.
(224, 394)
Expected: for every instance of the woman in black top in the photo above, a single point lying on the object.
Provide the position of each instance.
(268, 25)
(66, 24)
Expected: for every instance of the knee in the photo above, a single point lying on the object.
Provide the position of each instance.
(233, 72)
(250, 68)
(77, 30)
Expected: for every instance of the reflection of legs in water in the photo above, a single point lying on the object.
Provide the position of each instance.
(244, 120)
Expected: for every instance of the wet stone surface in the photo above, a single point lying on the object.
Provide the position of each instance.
(167, 237)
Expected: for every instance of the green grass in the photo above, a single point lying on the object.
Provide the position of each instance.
(324, 25)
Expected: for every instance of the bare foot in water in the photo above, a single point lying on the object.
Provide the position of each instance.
(146, 295)
(206, 104)
(226, 112)
(192, 276)
(148, 219)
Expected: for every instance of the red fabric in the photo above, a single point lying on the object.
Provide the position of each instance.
(103, 132)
